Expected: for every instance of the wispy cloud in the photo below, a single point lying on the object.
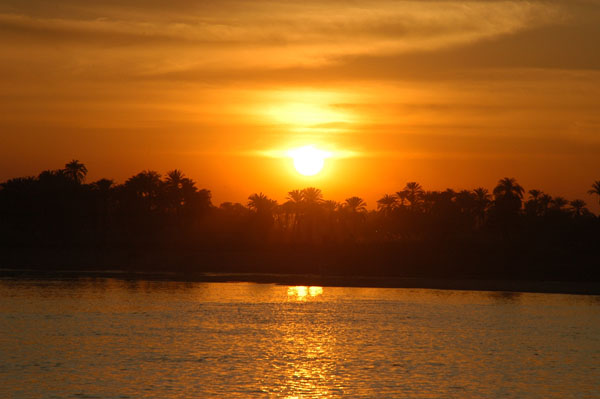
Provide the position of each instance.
(432, 80)
(267, 34)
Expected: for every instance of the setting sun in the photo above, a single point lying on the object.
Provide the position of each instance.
(308, 160)
(300, 199)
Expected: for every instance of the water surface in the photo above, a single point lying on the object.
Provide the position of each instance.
(109, 338)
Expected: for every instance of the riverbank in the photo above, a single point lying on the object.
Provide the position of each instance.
(549, 287)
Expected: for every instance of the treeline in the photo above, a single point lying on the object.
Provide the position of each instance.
(168, 222)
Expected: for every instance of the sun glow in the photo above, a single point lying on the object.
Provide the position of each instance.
(302, 292)
(308, 160)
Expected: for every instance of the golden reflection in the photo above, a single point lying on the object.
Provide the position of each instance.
(309, 361)
(302, 292)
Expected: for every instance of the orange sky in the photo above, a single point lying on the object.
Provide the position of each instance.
(447, 93)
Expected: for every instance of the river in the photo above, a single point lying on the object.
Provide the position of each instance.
(112, 338)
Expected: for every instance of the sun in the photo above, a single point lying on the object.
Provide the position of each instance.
(308, 160)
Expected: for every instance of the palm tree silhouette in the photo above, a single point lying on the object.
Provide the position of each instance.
(103, 185)
(482, 197)
(145, 187)
(508, 188)
(330, 205)
(386, 204)
(355, 204)
(545, 201)
(264, 210)
(295, 196)
(578, 207)
(535, 194)
(534, 206)
(401, 195)
(294, 206)
(312, 196)
(466, 201)
(508, 196)
(174, 190)
(76, 171)
(558, 203)
(414, 194)
(175, 178)
(261, 204)
(595, 190)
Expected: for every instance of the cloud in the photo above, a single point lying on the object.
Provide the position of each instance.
(262, 35)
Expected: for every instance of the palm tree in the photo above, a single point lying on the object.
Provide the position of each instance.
(18, 184)
(178, 190)
(414, 194)
(386, 204)
(353, 215)
(103, 185)
(312, 196)
(174, 178)
(295, 196)
(234, 210)
(76, 171)
(545, 201)
(578, 207)
(293, 206)
(595, 190)
(558, 203)
(533, 206)
(483, 199)
(330, 205)
(508, 188)
(261, 204)
(508, 195)
(145, 186)
(264, 210)
(466, 201)
(535, 194)
(141, 199)
(402, 197)
(355, 204)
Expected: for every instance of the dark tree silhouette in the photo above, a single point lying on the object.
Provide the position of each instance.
(295, 196)
(76, 171)
(483, 200)
(595, 190)
(508, 195)
(387, 204)
(559, 203)
(145, 189)
(103, 185)
(578, 207)
(508, 188)
(312, 196)
(413, 192)
(152, 222)
(261, 204)
(331, 205)
(355, 204)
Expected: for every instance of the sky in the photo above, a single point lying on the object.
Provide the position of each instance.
(446, 93)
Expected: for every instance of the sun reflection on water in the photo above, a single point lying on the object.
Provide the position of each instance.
(303, 292)
(309, 350)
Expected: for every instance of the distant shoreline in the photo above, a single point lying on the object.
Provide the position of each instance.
(546, 287)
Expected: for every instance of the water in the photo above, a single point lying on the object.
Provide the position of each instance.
(107, 338)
